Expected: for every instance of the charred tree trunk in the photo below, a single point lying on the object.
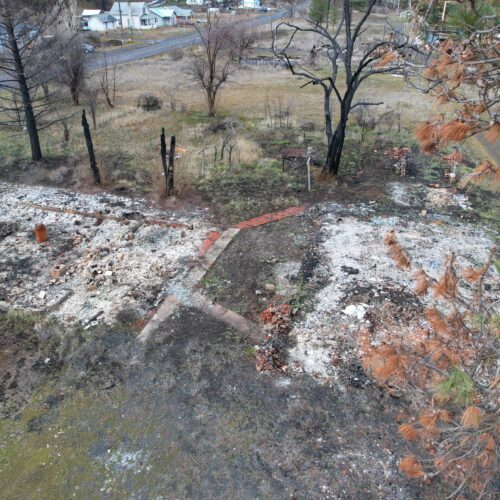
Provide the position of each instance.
(336, 144)
(163, 152)
(75, 94)
(335, 149)
(171, 159)
(90, 148)
(29, 115)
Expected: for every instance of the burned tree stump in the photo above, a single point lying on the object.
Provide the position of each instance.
(163, 152)
(170, 171)
(90, 148)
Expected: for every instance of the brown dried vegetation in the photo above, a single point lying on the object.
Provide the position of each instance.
(448, 370)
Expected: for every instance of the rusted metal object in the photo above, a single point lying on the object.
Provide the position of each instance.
(41, 233)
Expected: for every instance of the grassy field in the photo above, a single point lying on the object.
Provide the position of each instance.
(127, 138)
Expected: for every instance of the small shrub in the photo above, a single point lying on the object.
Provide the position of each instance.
(149, 102)
(176, 54)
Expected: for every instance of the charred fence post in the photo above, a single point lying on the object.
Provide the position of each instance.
(90, 148)
(170, 172)
(163, 148)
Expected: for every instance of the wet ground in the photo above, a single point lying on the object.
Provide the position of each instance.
(188, 416)
(194, 419)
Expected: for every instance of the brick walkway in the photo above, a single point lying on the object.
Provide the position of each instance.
(214, 244)
(213, 236)
(272, 217)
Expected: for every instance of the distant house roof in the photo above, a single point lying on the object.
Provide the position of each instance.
(183, 12)
(163, 11)
(171, 11)
(106, 18)
(90, 12)
(136, 8)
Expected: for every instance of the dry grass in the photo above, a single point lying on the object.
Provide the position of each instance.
(127, 138)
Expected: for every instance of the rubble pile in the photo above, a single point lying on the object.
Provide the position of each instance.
(277, 324)
(91, 267)
(365, 287)
(402, 156)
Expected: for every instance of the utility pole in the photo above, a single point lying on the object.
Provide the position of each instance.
(121, 21)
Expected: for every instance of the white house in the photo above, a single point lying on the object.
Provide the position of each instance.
(250, 4)
(102, 22)
(170, 16)
(134, 15)
(194, 2)
(86, 15)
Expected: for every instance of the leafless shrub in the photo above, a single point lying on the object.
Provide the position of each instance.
(70, 69)
(367, 118)
(211, 65)
(91, 95)
(278, 113)
(107, 82)
(243, 39)
(176, 54)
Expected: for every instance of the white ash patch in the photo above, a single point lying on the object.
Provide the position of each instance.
(418, 195)
(86, 269)
(441, 197)
(354, 257)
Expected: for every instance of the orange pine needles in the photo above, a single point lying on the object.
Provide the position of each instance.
(411, 467)
(382, 362)
(454, 131)
(386, 59)
(471, 417)
(493, 133)
(438, 324)
(447, 284)
(396, 252)
(472, 275)
(408, 432)
(428, 419)
(422, 282)
(486, 171)
(424, 131)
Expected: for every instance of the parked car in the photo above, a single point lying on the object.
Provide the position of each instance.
(262, 9)
(87, 48)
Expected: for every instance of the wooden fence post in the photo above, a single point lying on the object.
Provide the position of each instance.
(90, 148)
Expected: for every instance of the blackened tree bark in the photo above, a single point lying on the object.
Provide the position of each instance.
(90, 148)
(21, 80)
(338, 44)
(163, 153)
(171, 159)
(27, 103)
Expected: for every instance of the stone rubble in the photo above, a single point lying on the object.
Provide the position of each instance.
(91, 268)
(353, 238)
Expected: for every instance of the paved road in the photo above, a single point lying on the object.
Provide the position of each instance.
(121, 56)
